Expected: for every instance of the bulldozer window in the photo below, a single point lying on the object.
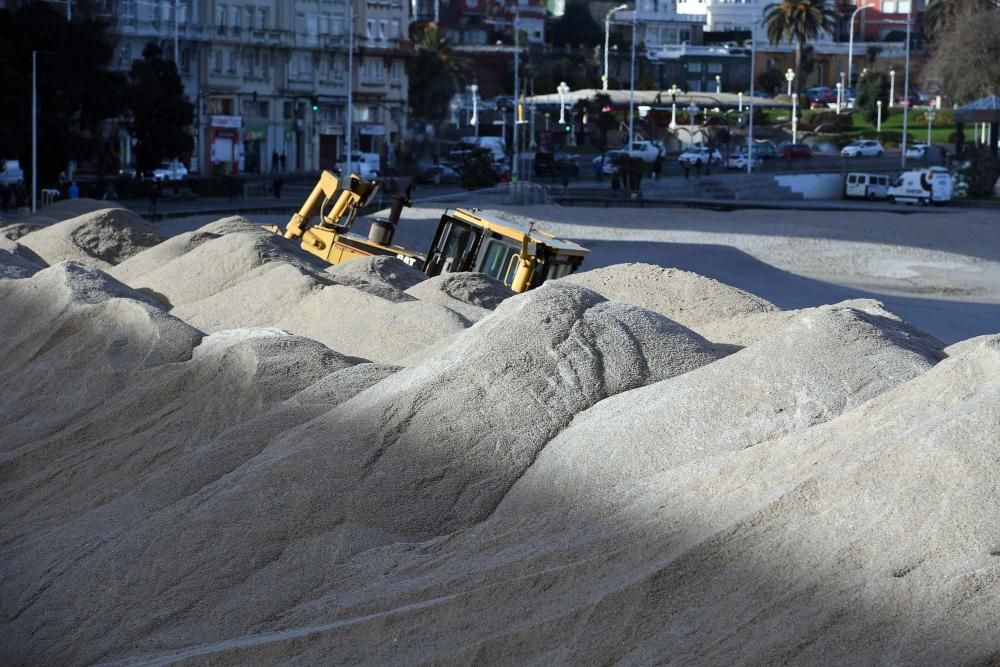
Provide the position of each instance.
(496, 259)
(452, 250)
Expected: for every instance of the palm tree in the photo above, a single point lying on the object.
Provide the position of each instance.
(942, 14)
(435, 74)
(799, 20)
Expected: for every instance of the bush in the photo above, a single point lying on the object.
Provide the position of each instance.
(830, 121)
(477, 170)
(979, 170)
(872, 88)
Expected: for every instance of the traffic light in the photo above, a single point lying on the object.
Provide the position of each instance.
(567, 128)
(315, 103)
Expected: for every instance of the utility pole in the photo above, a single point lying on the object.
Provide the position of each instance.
(631, 82)
(753, 62)
(906, 80)
(349, 139)
(516, 168)
(34, 128)
(177, 16)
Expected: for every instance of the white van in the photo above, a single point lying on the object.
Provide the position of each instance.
(867, 186)
(11, 172)
(366, 165)
(922, 186)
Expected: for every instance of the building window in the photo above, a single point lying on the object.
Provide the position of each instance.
(383, 26)
(370, 28)
(263, 18)
(694, 67)
(231, 62)
(216, 60)
(250, 16)
(186, 61)
(714, 68)
(396, 71)
(237, 17)
(266, 65)
(394, 31)
(220, 18)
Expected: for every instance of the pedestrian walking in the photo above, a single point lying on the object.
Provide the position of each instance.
(276, 186)
(74, 190)
(686, 164)
(657, 167)
(153, 192)
(283, 163)
(275, 162)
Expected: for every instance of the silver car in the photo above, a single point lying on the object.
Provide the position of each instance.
(863, 148)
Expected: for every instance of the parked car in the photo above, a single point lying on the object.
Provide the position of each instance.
(556, 164)
(439, 174)
(866, 186)
(170, 171)
(648, 151)
(863, 148)
(365, 165)
(700, 155)
(607, 162)
(794, 151)
(739, 159)
(765, 149)
(917, 151)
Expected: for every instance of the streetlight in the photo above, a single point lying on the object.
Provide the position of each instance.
(718, 84)
(474, 121)
(563, 90)
(692, 116)
(931, 113)
(843, 91)
(631, 79)
(892, 87)
(850, 47)
(878, 122)
(607, 41)
(740, 96)
(906, 83)
(673, 107)
(789, 77)
(840, 94)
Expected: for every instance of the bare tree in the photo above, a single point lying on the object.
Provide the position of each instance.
(966, 58)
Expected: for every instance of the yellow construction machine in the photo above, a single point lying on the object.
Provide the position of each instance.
(519, 256)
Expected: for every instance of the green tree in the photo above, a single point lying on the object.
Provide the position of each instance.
(435, 74)
(799, 21)
(160, 114)
(76, 92)
(873, 87)
(770, 80)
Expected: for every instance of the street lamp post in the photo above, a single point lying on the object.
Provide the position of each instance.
(718, 84)
(673, 107)
(850, 47)
(607, 42)
(740, 96)
(631, 79)
(906, 82)
(34, 130)
(692, 116)
(840, 95)
(562, 89)
(930, 120)
(350, 88)
(892, 87)
(789, 77)
(843, 91)
(878, 121)
(474, 121)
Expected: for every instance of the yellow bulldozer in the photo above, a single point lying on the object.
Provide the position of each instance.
(520, 257)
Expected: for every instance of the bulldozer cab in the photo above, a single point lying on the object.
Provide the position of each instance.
(518, 256)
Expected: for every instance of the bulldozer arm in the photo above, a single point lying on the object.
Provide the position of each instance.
(336, 207)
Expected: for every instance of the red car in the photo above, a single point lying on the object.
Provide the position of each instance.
(794, 151)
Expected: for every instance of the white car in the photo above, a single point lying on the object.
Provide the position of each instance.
(863, 148)
(739, 160)
(700, 155)
(366, 165)
(608, 166)
(917, 151)
(170, 171)
(647, 151)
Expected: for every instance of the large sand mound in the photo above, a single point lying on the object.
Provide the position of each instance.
(100, 238)
(682, 473)
(382, 270)
(684, 297)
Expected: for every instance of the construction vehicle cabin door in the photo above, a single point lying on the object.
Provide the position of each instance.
(455, 246)
(497, 260)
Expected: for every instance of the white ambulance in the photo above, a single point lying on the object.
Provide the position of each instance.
(922, 186)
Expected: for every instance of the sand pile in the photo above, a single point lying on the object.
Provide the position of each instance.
(544, 477)
(383, 270)
(467, 293)
(16, 261)
(684, 297)
(100, 238)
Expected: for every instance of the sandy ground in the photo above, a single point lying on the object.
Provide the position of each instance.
(940, 272)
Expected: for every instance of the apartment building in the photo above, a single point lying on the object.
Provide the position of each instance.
(269, 78)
